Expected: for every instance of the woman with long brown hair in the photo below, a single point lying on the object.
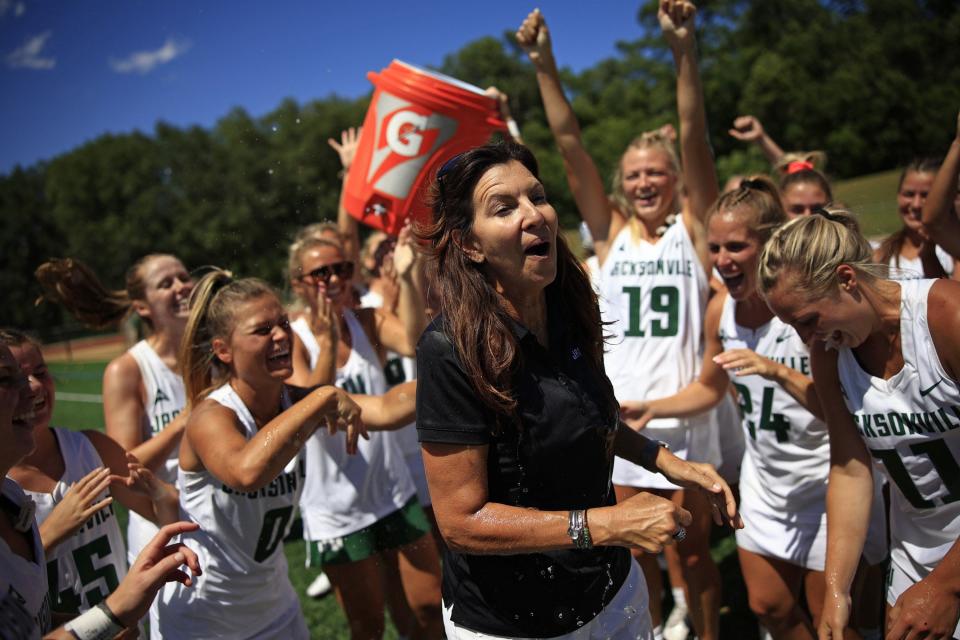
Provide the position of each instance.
(142, 388)
(519, 424)
(654, 279)
(910, 252)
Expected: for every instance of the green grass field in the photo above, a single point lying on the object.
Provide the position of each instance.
(78, 386)
(874, 199)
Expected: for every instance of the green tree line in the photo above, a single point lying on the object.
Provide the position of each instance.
(873, 82)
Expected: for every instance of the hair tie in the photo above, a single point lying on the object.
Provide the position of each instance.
(820, 211)
(747, 183)
(799, 165)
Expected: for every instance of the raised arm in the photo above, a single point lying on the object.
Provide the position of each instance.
(749, 129)
(677, 20)
(217, 443)
(503, 104)
(849, 495)
(347, 224)
(124, 415)
(582, 175)
(326, 330)
(411, 306)
(940, 216)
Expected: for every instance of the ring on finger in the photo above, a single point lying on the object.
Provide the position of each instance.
(680, 535)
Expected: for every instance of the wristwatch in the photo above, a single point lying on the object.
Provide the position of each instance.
(648, 457)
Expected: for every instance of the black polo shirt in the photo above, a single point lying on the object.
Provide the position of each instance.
(560, 458)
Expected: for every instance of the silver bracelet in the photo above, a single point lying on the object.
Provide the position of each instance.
(578, 530)
(98, 623)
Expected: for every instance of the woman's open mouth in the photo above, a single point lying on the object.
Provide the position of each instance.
(24, 420)
(733, 282)
(541, 248)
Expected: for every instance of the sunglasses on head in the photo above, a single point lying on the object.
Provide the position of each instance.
(343, 270)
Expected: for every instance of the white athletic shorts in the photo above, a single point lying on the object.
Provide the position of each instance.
(697, 442)
(627, 616)
(803, 542)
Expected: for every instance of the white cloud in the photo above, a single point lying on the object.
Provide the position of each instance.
(144, 61)
(28, 56)
(9, 5)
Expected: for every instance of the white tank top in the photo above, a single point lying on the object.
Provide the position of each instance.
(911, 425)
(89, 565)
(24, 599)
(912, 268)
(655, 296)
(787, 456)
(165, 399)
(244, 590)
(345, 493)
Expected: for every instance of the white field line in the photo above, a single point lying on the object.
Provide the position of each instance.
(93, 398)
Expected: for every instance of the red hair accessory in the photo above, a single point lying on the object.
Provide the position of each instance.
(799, 165)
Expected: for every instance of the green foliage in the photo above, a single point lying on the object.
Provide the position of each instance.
(872, 82)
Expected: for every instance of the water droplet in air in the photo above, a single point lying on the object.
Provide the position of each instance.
(270, 171)
(274, 128)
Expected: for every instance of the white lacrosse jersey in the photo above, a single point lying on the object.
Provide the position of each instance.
(165, 399)
(345, 493)
(787, 458)
(89, 565)
(912, 268)
(911, 425)
(24, 599)
(244, 590)
(655, 296)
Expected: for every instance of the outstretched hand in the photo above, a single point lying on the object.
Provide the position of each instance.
(534, 38)
(157, 564)
(404, 253)
(344, 415)
(704, 477)
(746, 362)
(636, 414)
(928, 609)
(677, 22)
(78, 505)
(347, 147)
(143, 481)
(747, 129)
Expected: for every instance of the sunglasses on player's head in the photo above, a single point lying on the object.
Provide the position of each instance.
(343, 270)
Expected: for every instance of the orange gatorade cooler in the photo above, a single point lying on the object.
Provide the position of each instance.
(417, 120)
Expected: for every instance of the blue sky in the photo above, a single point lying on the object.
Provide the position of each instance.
(72, 70)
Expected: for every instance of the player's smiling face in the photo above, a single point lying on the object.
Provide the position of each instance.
(842, 318)
(335, 284)
(649, 183)
(41, 381)
(167, 291)
(16, 411)
(260, 345)
(735, 251)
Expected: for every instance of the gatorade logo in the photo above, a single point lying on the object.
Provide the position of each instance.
(406, 136)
